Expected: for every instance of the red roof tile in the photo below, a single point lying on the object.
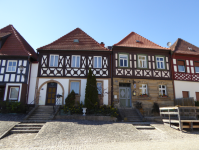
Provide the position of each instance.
(15, 44)
(183, 47)
(136, 40)
(3, 34)
(66, 42)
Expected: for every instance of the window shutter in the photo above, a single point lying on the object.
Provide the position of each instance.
(181, 63)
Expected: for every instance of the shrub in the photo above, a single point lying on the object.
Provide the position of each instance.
(12, 107)
(197, 103)
(91, 93)
(70, 99)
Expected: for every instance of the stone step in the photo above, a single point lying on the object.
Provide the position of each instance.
(35, 121)
(29, 125)
(26, 128)
(38, 118)
(145, 127)
(37, 114)
(24, 131)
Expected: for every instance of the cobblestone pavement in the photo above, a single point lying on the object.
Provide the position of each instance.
(9, 120)
(101, 135)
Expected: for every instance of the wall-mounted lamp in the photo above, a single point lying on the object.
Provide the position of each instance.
(21, 68)
(134, 93)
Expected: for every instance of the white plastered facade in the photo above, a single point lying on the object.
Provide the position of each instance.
(191, 87)
(64, 82)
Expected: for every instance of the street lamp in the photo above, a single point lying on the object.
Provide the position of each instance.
(21, 68)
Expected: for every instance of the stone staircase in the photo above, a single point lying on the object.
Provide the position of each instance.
(27, 128)
(42, 113)
(130, 114)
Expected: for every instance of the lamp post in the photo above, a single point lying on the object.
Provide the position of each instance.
(21, 68)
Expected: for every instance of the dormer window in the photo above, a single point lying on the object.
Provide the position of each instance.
(181, 66)
(76, 41)
(11, 66)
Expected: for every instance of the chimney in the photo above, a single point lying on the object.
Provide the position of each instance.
(102, 44)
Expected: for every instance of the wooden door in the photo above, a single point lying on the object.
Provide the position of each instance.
(51, 93)
(185, 94)
(197, 96)
(2, 93)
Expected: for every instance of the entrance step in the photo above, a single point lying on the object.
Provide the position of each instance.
(41, 113)
(27, 128)
(141, 126)
(130, 114)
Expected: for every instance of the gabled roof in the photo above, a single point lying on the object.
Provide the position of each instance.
(136, 40)
(15, 44)
(66, 42)
(183, 47)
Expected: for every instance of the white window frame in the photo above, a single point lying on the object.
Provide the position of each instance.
(54, 61)
(97, 62)
(139, 65)
(143, 88)
(159, 61)
(161, 89)
(12, 62)
(75, 61)
(123, 60)
(70, 81)
(101, 87)
(10, 93)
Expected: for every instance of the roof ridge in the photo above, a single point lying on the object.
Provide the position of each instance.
(18, 38)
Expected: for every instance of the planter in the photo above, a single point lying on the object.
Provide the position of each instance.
(84, 111)
(144, 95)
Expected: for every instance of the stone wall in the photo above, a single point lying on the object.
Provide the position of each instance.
(153, 93)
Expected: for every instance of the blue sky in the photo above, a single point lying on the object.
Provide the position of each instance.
(41, 22)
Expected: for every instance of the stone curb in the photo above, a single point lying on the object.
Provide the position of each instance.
(92, 118)
(7, 131)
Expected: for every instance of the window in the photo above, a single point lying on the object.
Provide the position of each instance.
(160, 63)
(99, 87)
(12, 66)
(181, 66)
(143, 89)
(75, 86)
(54, 60)
(142, 61)
(13, 93)
(75, 61)
(97, 62)
(197, 96)
(162, 90)
(196, 64)
(123, 60)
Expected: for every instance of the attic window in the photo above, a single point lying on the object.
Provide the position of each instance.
(76, 41)
(137, 41)
(189, 48)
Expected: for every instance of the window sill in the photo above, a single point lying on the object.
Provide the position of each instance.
(167, 98)
(143, 98)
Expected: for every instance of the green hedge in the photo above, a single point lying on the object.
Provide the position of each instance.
(12, 107)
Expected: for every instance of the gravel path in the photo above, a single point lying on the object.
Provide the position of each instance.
(101, 135)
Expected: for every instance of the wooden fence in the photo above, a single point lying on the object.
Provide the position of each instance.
(184, 101)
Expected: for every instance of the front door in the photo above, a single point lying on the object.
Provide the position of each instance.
(51, 93)
(125, 96)
(2, 93)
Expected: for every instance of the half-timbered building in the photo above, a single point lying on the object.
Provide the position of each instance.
(64, 64)
(185, 67)
(141, 72)
(16, 57)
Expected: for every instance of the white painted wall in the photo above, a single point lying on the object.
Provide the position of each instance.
(65, 84)
(180, 86)
(33, 79)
